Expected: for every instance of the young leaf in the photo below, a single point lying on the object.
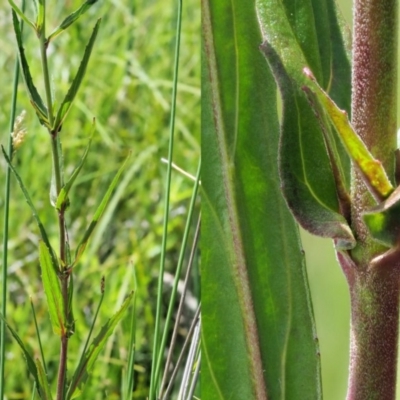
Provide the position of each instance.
(383, 220)
(372, 169)
(41, 11)
(28, 358)
(308, 183)
(21, 14)
(44, 388)
(34, 212)
(99, 212)
(89, 357)
(34, 96)
(71, 18)
(62, 199)
(52, 289)
(308, 156)
(73, 90)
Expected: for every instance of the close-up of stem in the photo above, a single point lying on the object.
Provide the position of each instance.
(374, 287)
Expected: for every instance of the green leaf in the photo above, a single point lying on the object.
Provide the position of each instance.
(99, 212)
(41, 11)
(73, 90)
(28, 358)
(372, 169)
(258, 332)
(21, 14)
(51, 285)
(383, 220)
(73, 17)
(62, 199)
(34, 96)
(44, 388)
(43, 233)
(314, 170)
(308, 183)
(90, 356)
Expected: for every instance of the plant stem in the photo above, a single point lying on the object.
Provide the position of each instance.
(374, 83)
(5, 230)
(373, 277)
(58, 181)
(374, 330)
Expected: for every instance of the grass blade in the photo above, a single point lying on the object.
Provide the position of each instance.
(21, 14)
(76, 83)
(89, 357)
(7, 191)
(44, 388)
(43, 233)
(156, 350)
(38, 336)
(34, 95)
(132, 344)
(52, 289)
(171, 305)
(99, 212)
(28, 358)
(73, 17)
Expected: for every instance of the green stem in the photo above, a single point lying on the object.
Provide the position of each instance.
(156, 345)
(374, 298)
(6, 229)
(373, 276)
(57, 176)
(374, 98)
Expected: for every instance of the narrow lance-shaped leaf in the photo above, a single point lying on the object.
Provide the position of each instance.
(249, 301)
(372, 169)
(35, 214)
(89, 358)
(73, 17)
(62, 198)
(34, 96)
(21, 14)
(44, 388)
(51, 285)
(28, 358)
(99, 212)
(311, 168)
(73, 90)
(308, 183)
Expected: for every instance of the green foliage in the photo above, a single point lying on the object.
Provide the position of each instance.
(76, 83)
(90, 356)
(315, 187)
(51, 286)
(258, 331)
(128, 92)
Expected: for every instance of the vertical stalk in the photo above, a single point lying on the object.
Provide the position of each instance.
(5, 231)
(374, 286)
(154, 378)
(374, 83)
(57, 176)
(374, 331)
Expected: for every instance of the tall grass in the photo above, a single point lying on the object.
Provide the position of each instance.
(128, 89)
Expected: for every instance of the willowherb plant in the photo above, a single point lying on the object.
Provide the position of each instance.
(57, 265)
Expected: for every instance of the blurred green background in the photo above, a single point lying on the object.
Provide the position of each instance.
(128, 90)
